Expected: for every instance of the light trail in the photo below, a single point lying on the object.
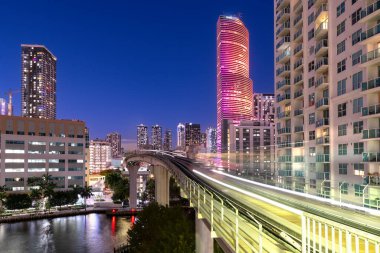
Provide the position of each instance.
(305, 195)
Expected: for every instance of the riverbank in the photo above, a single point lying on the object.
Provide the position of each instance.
(67, 213)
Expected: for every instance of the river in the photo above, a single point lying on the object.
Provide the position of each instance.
(84, 233)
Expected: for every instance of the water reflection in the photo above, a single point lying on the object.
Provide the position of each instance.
(85, 233)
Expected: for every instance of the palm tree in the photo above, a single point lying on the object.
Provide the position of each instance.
(86, 192)
(45, 186)
(3, 194)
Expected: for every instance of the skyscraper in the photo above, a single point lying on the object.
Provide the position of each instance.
(38, 82)
(115, 140)
(142, 136)
(3, 106)
(100, 156)
(168, 140)
(234, 87)
(192, 134)
(211, 140)
(263, 108)
(181, 136)
(157, 137)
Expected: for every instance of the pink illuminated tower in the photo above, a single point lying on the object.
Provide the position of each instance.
(234, 87)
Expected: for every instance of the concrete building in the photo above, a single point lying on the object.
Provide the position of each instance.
(253, 143)
(142, 137)
(38, 82)
(211, 140)
(327, 114)
(32, 147)
(115, 140)
(234, 86)
(263, 108)
(192, 134)
(100, 156)
(156, 137)
(168, 140)
(181, 136)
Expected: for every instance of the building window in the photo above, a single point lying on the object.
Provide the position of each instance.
(311, 135)
(357, 79)
(311, 66)
(311, 99)
(342, 130)
(343, 169)
(357, 105)
(310, 18)
(341, 47)
(358, 127)
(342, 149)
(341, 87)
(355, 17)
(341, 28)
(343, 186)
(310, 34)
(311, 82)
(358, 190)
(312, 151)
(340, 9)
(311, 118)
(342, 110)
(358, 148)
(358, 169)
(341, 66)
(356, 36)
(356, 57)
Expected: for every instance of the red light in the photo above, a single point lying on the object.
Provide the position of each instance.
(114, 210)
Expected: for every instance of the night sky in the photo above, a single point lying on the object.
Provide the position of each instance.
(122, 63)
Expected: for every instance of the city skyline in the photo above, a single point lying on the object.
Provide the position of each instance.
(71, 84)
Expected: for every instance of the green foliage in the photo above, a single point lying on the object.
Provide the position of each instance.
(149, 193)
(118, 184)
(61, 198)
(174, 189)
(18, 201)
(162, 229)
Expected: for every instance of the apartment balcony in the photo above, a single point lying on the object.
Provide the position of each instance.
(371, 157)
(284, 173)
(283, 14)
(284, 159)
(284, 130)
(285, 83)
(322, 123)
(322, 65)
(298, 94)
(283, 43)
(370, 12)
(283, 98)
(282, 71)
(371, 85)
(322, 29)
(284, 29)
(284, 56)
(298, 79)
(298, 20)
(369, 134)
(298, 144)
(285, 144)
(298, 129)
(298, 159)
(298, 64)
(298, 113)
(321, 13)
(372, 35)
(298, 6)
(282, 3)
(298, 50)
(370, 58)
(325, 140)
(297, 35)
(322, 82)
(322, 158)
(321, 49)
(283, 115)
(299, 173)
(322, 104)
(371, 111)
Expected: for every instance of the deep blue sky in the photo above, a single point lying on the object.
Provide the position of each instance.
(122, 63)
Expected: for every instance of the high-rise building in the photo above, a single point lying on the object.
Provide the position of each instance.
(115, 140)
(3, 106)
(142, 137)
(181, 136)
(31, 147)
(38, 82)
(203, 140)
(327, 62)
(168, 140)
(211, 140)
(264, 108)
(100, 156)
(192, 134)
(156, 137)
(234, 86)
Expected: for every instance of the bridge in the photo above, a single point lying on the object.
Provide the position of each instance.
(247, 216)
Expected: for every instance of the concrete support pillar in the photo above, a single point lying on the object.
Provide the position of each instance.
(161, 176)
(203, 241)
(133, 169)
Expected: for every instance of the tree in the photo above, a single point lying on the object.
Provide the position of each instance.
(121, 190)
(173, 231)
(3, 195)
(150, 187)
(86, 192)
(112, 179)
(18, 201)
(61, 198)
(44, 185)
